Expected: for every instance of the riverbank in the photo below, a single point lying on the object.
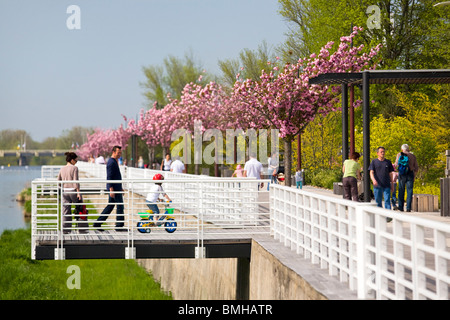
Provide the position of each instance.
(24, 197)
(24, 279)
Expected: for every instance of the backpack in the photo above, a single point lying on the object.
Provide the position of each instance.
(403, 164)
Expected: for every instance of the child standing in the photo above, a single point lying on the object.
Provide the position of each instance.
(299, 178)
(239, 172)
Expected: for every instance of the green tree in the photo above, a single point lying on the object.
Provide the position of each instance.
(313, 23)
(249, 65)
(424, 128)
(321, 146)
(74, 136)
(11, 139)
(170, 78)
(414, 33)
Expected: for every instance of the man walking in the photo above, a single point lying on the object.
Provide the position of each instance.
(381, 174)
(407, 166)
(115, 191)
(254, 168)
(177, 166)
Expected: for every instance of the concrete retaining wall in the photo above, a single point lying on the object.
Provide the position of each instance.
(270, 279)
(276, 273)
(195, 279)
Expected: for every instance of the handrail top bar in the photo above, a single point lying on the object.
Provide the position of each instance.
(149, 180)
(373, 208)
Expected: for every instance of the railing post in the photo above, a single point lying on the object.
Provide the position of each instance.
(200, 251)
(33, 220)
(130, 250)
(445, 189)
(59, 250)
(361, 252)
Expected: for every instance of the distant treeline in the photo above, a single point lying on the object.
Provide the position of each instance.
(33, 161)
(20, 139)
(11, 139)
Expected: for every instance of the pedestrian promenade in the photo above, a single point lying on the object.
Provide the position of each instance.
(341, 247)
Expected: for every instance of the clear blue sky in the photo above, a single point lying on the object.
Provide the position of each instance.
(53, 78)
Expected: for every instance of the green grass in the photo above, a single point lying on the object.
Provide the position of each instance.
(24, 279)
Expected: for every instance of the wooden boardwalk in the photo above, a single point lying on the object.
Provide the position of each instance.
(179, 236)
(111, 244)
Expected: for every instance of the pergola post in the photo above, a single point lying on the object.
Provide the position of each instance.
(344, 122)
(366, 134)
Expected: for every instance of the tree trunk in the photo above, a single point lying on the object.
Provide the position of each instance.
(151, 157)
(287, 161)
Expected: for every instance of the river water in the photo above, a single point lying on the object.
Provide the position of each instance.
(12, 181)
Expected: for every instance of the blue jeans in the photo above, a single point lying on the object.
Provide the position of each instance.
(407, 181)
(379, 192)
(273, 179)
(153, 206)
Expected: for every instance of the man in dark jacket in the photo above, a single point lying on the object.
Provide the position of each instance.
(380, 170)
(115, 191)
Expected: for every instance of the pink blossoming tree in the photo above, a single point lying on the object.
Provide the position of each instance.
(287, 102)
(100, 142)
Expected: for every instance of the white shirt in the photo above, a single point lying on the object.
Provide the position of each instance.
(100, 160)
(154, 193)
(253, 168)
(177, 166)
(167, 164)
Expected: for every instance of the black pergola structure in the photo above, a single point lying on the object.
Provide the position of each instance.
(365, 79)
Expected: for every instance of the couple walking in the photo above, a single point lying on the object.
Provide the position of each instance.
(384, 177)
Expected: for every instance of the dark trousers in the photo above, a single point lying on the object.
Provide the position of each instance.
(118, 198)
(405, 181)
(350, 185)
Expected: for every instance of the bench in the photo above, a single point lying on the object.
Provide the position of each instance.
(425, 203)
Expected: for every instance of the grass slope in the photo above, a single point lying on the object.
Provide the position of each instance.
(24, 279)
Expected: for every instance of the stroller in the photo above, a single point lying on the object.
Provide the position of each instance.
(280, 176)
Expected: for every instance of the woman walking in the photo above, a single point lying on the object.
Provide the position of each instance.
(71, 191)
(352, 174)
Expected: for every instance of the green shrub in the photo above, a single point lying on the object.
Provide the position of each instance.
(323, 178)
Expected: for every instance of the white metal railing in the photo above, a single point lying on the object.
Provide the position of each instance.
(407, 258)
(50, 172)
(94, 170)
(201, 207)
(219, 194)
